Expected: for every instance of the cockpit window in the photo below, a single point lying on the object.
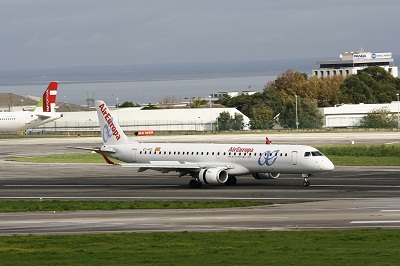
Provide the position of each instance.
(316, 153)
(312, 153)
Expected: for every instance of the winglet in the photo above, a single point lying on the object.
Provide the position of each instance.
(105, 157)
(48, 101)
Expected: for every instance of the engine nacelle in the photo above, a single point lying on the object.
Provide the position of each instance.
(266, 175)
(213, 176)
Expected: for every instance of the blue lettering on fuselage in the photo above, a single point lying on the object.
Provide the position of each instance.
(268, 158)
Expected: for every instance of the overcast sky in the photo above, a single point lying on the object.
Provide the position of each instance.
(51, 33)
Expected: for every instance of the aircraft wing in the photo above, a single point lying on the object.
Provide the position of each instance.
(84, 148)
(167, 166)
(44, 116)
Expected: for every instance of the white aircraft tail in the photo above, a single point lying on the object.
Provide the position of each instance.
(111, 132)
(48, 101)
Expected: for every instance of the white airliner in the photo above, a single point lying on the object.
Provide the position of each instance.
(214, 164)
(44, 112)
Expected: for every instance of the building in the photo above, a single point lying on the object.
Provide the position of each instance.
(351, 62)
(350, 115)
(135, 119)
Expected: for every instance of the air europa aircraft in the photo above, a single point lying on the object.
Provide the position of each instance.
(43, 113)
(212, 164)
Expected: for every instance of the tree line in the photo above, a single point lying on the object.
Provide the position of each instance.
(276, 104)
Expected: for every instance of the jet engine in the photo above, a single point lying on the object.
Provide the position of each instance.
(213, 176)
(266, 175)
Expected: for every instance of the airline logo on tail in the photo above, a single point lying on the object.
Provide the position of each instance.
(48, 101)
(109, 127)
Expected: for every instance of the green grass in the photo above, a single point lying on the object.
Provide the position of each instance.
(56, 205)
(347, 247)
(63, 158)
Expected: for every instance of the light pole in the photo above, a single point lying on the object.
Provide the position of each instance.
(210, 115)
(22, 104)
(397, 110)
(297, 115)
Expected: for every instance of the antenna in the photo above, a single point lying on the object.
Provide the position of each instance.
(89, 100)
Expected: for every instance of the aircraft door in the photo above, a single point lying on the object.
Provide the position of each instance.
(294, 158)
(134, 155)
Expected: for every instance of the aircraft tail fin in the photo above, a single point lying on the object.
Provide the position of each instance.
(48, 101)
(111, 132)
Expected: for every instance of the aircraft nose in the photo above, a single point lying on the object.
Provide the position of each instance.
(328, 165)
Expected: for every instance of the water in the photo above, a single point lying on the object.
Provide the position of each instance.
(147, 83)
(143, 91)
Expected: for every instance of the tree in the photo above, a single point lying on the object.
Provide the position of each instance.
(379, 118)
(226, 122)
(309, 115)
(237, 122)
(262, 117)
(290, 83)
(357, 91)
(370, 85)
(128, 104)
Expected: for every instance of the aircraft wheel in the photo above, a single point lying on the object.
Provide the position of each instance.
(306, 183)
(231, 181)
(195, 184)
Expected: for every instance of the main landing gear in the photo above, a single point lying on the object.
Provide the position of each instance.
(195, 183)
(306, 183)
(231, 181)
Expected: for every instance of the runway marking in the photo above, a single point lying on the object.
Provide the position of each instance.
(181, 198)
(390, 211)
(374, 222)
(367, 186)
(122, 185)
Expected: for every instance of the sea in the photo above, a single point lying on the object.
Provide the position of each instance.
(149, 83)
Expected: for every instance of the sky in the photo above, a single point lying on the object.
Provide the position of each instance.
(64, 33)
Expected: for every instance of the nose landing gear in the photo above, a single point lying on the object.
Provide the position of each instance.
(306, 183)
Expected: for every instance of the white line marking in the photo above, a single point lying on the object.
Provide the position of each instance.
(374, 222)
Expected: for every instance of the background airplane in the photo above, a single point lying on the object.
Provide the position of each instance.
(43, 113)
(216, 164)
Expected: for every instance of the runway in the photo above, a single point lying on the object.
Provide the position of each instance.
(348, 197)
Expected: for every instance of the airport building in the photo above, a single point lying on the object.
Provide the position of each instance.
(352, 62)
(350, 115)
(134, 119)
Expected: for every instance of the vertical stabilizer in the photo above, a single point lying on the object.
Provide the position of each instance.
(111, 132)
(48, 101)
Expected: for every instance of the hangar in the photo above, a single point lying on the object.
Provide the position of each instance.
(350, 115)
(135, 119)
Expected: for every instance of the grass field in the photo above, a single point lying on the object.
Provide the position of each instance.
(56, 205)
(357, 247)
